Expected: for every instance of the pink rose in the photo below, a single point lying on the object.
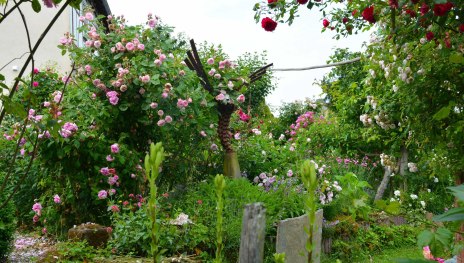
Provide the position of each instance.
(114, 148)
(241, 98)
(130, 46)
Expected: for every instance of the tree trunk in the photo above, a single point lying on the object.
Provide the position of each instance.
(383, 185)
(404, 167)
(231, 165)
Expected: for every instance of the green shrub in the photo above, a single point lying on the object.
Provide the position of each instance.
(7, 224)
(199, 201)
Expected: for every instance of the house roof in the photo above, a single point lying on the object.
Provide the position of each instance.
(101, 7)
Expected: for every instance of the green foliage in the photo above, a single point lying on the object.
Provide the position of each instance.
(7, 223)
(309, 179)
(355, 242)
(77, 252)
(153, 163)
(220, 185)
(200, 199)
(353, 200)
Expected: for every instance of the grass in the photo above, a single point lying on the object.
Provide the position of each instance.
(387, 256)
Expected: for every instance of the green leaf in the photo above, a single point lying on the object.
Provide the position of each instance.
(118, 56)
(76, 4)
(13, 107)
(444, 112)
(444, 236)
(458, 191)
(36, 6)
(456, 58)
(2, 78)
(425, 238)
(454, 214)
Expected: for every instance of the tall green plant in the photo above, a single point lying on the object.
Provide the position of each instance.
(220, 185)
(153, 162)
(309, 178)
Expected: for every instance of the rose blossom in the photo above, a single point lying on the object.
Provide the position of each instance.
(56, 199)
(368, 14)
(168, 119)
(102, 194)
(241, 98)
(161, 123)
(89, 16)
(114, 148)
(268, 24)
(153, 105)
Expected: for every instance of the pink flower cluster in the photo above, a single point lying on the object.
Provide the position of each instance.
(302, 122)
(182, 104)
(428, 255)
(161, 57)
(68, 129)
(35, 118)
(37, 208)
(66, 40)
(131, 46)
(112, 97)
(57, 96)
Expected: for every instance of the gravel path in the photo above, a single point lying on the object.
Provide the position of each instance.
(29, 248)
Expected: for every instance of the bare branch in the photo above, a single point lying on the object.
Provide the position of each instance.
(320, 66)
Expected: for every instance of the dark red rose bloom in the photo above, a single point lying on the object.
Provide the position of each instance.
(411, 13)
(302, 2)
(345, 20)
(424, 9)
(442, 9)
(447, 40)
(461, 28)
(429, 35)
(268, 24)
(325, 23)
(272, 1)
(368, 14)
(393, 3)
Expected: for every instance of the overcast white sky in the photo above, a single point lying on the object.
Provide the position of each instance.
(231, 24)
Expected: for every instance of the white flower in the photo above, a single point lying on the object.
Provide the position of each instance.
(181, 219)
(397, 193)
(281, 137)
(413, 196)
(428, 190)
(422, 204)
(263, 152)
(423, 41)
(392, 199)
(395, 88)
(435, 180)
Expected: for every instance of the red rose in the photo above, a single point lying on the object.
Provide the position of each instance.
(268, 24)
(368, 14)
(461, 28)
(442, 9)
(272, 1)
(302, 2)
(447, 40)
(325, 23)
(429, 35)
(424, 9)
(393, 4)
(411, 13)
(345, 20)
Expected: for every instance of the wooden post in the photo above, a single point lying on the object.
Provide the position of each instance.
(253, 233)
